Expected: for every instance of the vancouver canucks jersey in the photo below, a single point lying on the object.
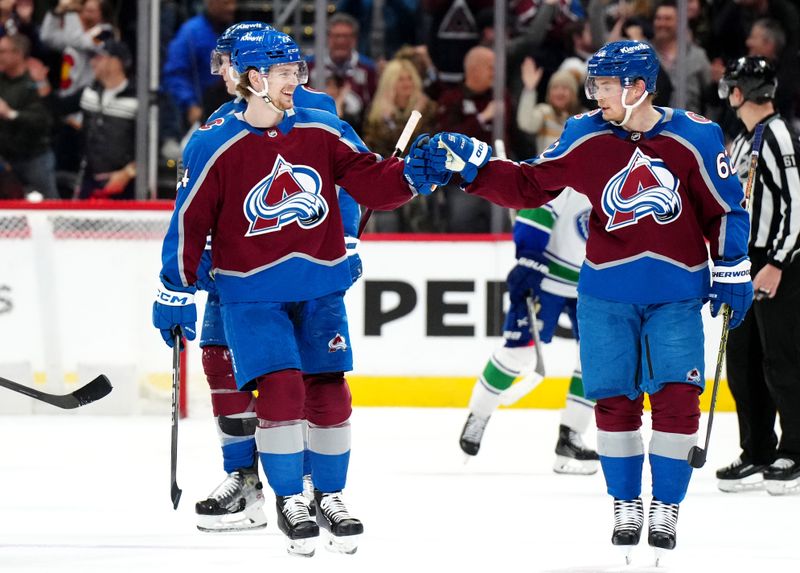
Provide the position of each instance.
(656, 197)
(268, 199)
(563, 226)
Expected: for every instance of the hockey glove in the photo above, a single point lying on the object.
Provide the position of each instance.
(356, 268)
(174, 308)
(205, 280)
(527, 276)
(465, 155)
(731, 285)
(517, 327)
(424, 167)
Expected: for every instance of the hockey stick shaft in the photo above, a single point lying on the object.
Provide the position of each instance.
(517, 391)
(175, 491)
(86, 394)
(697, 456)
(399, 148)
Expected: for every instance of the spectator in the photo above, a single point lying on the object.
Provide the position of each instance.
(607, 18)
(546, 120)
(74, 27)
(697, 67)
(186, 75)
(109, 108)
(470, 109)
(767, 39)
(452, 30)
(399, 93)
(16, 17)
(398, 25)
(24, 121)
(343, 60)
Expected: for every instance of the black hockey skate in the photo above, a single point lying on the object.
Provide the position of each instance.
(235, 505)
(472, 434)
(298, 526)
(333, 517)
(783, 477)
(741, 475)
(628, 522)
(572, 456)
(662, 530)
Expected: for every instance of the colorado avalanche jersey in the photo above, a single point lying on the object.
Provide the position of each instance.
(655, 197)
(308, 98)
(268, 199)
(563, 226)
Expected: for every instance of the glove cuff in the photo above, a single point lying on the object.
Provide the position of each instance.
(534, 264)
(351, 244)
(728, 273)
(173, 298)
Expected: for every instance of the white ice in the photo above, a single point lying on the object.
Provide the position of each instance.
(90, 493)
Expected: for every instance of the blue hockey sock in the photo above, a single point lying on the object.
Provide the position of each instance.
(281, 451)
(622, 458)
(329, 451)
(239, 455)
(671, 472)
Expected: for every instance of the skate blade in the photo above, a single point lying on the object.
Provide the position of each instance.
(571, 466)
(754, 482)
(788, 487)
(251, 518)
(346, 545)
(627, 552)
(302, 547)
(661, 556)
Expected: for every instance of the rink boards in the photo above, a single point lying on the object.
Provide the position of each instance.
(76, 289)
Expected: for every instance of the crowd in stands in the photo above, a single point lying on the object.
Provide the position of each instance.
(68, 107)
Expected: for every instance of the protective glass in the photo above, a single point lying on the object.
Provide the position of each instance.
(601, 87)
(219, 59)
(288, 73)
(724, 88)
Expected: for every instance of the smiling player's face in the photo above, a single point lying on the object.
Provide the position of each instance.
(283, 80)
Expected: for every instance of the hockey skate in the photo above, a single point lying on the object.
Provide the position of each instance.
(235, 505)
(628, 522)
(472, 434)
(662, 529)
(741, 475)
(308, 493)
(295, 522)
(783, 477)
(572, 456)
(343, 529)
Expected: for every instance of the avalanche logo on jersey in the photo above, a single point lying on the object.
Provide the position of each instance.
(337, 343)
(644, 187)
(289, 193)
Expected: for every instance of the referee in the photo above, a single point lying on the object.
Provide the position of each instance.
(763, 354)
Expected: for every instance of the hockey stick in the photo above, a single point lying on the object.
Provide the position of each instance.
(87, 394)
(402, 142)
(175, 491)
(697, 455)
(522, 388)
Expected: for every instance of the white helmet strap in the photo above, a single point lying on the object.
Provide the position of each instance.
(265, 96)
(629, 108)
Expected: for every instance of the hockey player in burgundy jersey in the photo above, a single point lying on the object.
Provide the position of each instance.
(660, 184)
(262, 183)
(236, 503)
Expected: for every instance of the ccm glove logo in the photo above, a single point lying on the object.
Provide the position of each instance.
(172, 298)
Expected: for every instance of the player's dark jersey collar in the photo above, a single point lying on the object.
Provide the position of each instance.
(666, 117)
(284, 126)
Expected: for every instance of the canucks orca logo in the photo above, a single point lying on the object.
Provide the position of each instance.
(644, 187)
(290, 193)
(582, 224)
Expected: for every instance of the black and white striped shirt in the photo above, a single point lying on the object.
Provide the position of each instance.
(775, 199)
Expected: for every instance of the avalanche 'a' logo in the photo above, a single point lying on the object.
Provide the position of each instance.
(644, 187)
(289, 193)
(337, 343)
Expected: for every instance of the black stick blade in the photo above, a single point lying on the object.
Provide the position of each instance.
(175, 494)
(94, 390)
(697, 457)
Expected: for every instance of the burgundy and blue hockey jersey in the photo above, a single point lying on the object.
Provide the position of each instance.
(656, 197)
(268, 199)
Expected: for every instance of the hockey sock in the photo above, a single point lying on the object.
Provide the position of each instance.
(506, 365)
(577, 414)
(676, 417)
(329, 452)
(306, 452)
(233, 410)
(620, 446)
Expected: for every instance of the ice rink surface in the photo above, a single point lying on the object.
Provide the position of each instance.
(91, 493)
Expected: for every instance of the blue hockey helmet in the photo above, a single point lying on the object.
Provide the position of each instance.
(228, 37)
(627, 60)
(263, 49)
